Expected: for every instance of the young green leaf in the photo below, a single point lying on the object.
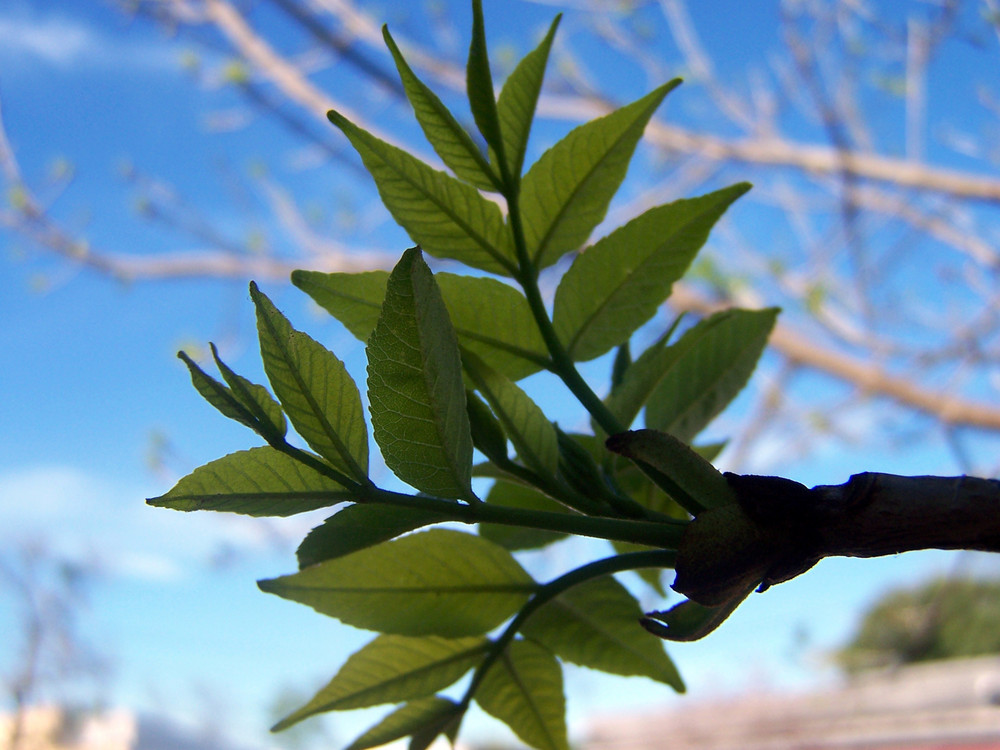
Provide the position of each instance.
(479, 83)
(690, 621)
(712, 371)
(219, 395)
(449, 139)
(415, 389)
(257, 482)
(596, 625)
(359, 526)
(393, 669)
(448, 218)
(520, 537)
(266, 411)
(318, 395)
(425, 716)
(436, 582)
(618, 284)
(566, 192)
(525, 424)
(491, 318)
(355, 299)
(518, 99)
(690, 475)
(717, 353)
(487, 434)
(524, 689)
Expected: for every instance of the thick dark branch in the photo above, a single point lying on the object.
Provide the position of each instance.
(779, 528)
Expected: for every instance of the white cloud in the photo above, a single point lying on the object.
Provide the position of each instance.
(90, 518)
(67, 43)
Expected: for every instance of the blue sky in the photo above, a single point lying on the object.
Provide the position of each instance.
(91, 386)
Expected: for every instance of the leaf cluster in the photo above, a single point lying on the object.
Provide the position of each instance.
(445, 355)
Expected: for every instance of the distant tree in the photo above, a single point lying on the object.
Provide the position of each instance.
(942, 619)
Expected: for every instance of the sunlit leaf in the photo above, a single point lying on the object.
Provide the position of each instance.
(393, 669)
(518, 99)
(355, 299)
(491, 318)
(317, 393)
(479, 83)
(713, 369)
(359, 526)
(524, 689)
(691, 476)
(219, 395)
(448, 218)
(415, 388)
(618, 284)
(257, 482)
(566, 192)
(422, 716)
(436, 582)
(596, 625)
(524, 423)
(256, 398)
(449, 139)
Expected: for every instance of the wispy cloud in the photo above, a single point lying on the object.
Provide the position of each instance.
(86, 517)
(68, 43)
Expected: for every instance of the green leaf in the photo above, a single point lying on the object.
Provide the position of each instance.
(392, 669)
(566, 192)
(714, 368)
(436, 582)
(479, 83)
(355, 299)
(524, 689)
(415, 389)
(257, 482)
(359, 526)
(691, 476)
(596, 625)
(618, 284)
(491, 318)
(257, 400)
(446, 217)
(426, 715)
(449, 139)
(690, 621)
(219, 396)
(523, 421)
(520, 537)
(318, 395)
(487, 435)
(519, 98)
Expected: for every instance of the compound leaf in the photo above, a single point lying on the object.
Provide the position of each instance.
(596, 625)
(617, 285)
(449, 139)
(317, 393)
(566, 192)
(520, 537)
(359, 526)
(257, 482)
(448, 218)
(435, 582)
(257, 400)
(415, 388)
(524, 689)
(392, 669)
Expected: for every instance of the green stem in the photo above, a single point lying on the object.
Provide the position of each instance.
(552, 589)
(665, 534)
